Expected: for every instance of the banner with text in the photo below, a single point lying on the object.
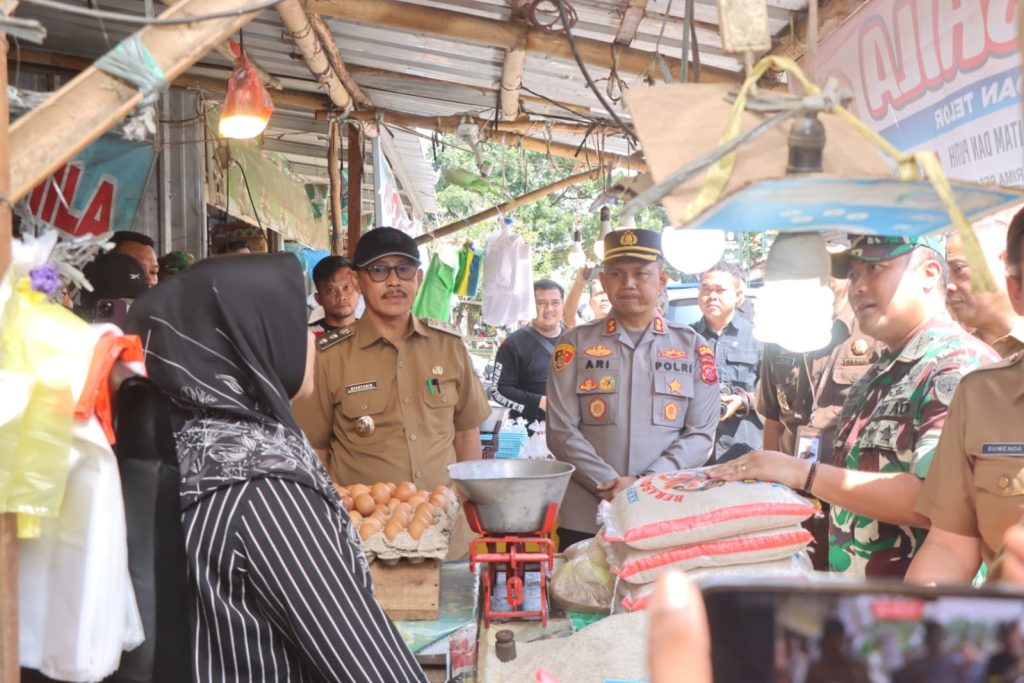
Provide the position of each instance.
(940, 75)
(98, 190)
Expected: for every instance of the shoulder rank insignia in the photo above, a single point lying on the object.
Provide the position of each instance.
(329, 339)
(442, 326)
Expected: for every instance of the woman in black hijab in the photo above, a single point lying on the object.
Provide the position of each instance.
(282, 591)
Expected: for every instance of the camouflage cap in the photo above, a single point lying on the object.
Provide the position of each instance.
(876, 248)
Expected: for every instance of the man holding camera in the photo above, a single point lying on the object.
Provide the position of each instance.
(629, 395)
(731, 335)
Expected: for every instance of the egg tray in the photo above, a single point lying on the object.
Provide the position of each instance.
(432, 545)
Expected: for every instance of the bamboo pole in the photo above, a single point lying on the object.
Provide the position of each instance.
(9, 655)
(334, 177)
(522, 200)
(631, 18)
(330, 47)
(296, 23)
(355, 188)
(448, 124)
(494, 33)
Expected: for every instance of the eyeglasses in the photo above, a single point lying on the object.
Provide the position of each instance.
(379, 272)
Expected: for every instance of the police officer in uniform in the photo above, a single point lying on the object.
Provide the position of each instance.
(629, 395)
(396, 398)
(974, 491)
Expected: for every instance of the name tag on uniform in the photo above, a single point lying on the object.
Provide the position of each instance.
(1002, 449)
(357, 388)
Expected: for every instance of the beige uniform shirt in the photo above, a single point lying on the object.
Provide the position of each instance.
(416, 397)
(619, 408)
(975, 486)
(799, 389)
(1011, 343)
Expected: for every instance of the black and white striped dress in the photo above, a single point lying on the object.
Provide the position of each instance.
(282, 593)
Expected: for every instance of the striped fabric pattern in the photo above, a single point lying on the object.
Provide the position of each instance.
(283, 593)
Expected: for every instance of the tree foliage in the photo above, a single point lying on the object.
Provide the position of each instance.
(547, 224)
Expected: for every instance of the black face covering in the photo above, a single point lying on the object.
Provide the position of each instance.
(226, 340)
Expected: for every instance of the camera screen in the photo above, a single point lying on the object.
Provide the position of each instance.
(877, 637)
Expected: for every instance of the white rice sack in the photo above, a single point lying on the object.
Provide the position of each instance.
(685, 507)
(798, 567)
(644, 566)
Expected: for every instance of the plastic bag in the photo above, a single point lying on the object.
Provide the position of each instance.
(585, 582)
(537, 444)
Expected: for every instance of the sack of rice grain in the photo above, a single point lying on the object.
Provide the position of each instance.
(644, 566)
(635, 597)
(686, 507)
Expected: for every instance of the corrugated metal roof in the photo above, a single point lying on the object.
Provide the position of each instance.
(416, 73)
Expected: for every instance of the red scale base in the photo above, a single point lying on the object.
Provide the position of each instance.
(514, 564)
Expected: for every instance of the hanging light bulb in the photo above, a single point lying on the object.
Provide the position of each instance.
(577, 259)
(247, 106)
(606, 227)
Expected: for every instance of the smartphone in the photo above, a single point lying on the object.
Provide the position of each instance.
(877, 632)
(112, 310)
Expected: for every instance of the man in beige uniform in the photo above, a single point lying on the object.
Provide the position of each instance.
(396, 398)
(974, 491)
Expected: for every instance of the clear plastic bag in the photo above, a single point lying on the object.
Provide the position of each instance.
(585, 582)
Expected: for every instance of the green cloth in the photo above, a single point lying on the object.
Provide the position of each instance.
(881, 248)
(434, 299)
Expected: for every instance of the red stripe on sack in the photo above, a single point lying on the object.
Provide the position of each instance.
(666, 527)
(729, 546)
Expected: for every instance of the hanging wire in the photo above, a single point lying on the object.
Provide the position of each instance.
(586, 74)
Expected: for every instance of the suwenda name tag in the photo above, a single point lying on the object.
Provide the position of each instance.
(1002, 449)
(356, 388)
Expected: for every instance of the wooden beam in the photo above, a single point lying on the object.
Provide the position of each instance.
(330, 46)
(522, 200)
(355, 188)
(832, 14)
(493, 33)
(334, 178)
(448, 124)
(296, 23)
(511, 81)
(80, 112)
(631, 18)
(9, 653)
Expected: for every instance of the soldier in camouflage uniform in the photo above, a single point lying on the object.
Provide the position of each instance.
(894, 414)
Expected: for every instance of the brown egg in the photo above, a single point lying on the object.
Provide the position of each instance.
(418, 499)
(427, 511)
(357, 490)
(438, 501)
(380, 512)
(355, 517)
(348, 502)
(392, 529)
(440, 491)
(392, 504)
(368, 528)
(342, 491)
(405, 491)
(391, 486)
(364, 504)
(380, 493)
(416, 528)
(404, 508)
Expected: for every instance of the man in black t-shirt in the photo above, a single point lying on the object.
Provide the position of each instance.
(337, 292)
(521, 365)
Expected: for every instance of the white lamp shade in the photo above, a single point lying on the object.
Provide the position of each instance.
(692, 251)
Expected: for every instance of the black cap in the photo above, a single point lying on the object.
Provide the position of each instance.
(381, 242)
(632, 243)
(115, 276)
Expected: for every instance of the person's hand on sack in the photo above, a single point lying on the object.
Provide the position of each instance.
(764, 466)
(732, 404)
(615, 486)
